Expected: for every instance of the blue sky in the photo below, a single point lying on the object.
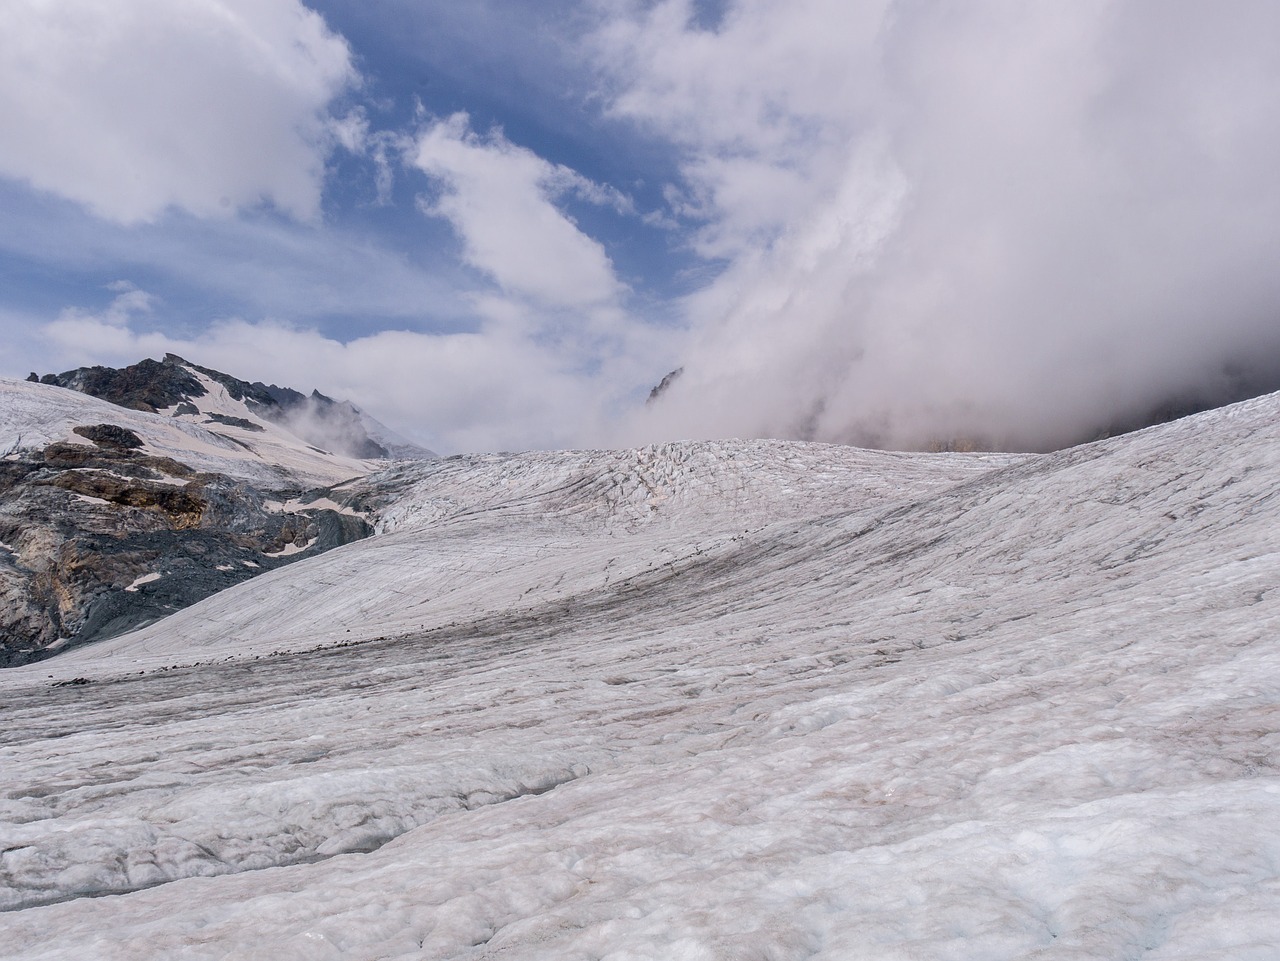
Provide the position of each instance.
(497, 224)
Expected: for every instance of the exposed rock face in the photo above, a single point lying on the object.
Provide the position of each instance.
(110, 436)
(98, 540)
(101, 532)
(105, 527)
(148, 385)
(664, 385)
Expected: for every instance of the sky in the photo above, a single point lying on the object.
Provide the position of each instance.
(497, 225)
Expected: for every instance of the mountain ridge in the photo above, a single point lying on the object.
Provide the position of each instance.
(173, 384)
(127, 494)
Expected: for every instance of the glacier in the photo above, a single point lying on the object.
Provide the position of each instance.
(732, 700)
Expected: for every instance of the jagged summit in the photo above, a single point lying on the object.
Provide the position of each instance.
(664, 385)
(183, 389)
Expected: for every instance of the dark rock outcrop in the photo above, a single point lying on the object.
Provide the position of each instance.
(95, 541)
(242, 422)
(110, 436)
(147, 385)
(99, 538)
(664, 385)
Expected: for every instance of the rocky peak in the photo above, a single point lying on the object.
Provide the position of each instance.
(175, 385)
(149, 385)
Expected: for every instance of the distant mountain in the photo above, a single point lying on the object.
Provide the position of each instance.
(138, 491)
(183, 389)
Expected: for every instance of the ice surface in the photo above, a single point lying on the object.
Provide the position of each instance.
(703, 701)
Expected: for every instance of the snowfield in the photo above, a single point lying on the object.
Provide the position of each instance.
(745, 700)
(32, 416)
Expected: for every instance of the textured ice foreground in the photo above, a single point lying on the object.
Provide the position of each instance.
(739, 701)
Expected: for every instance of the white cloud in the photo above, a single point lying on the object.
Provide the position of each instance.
(996, 220)
(254, 266)
(763, 107)
(492, 389)
(500, 198)
(134, 106)
(352, 130)
(85, 337)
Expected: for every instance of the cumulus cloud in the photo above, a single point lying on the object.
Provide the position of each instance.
(81, 335)
(500, 198)
(130, 107)
(1006, 223)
